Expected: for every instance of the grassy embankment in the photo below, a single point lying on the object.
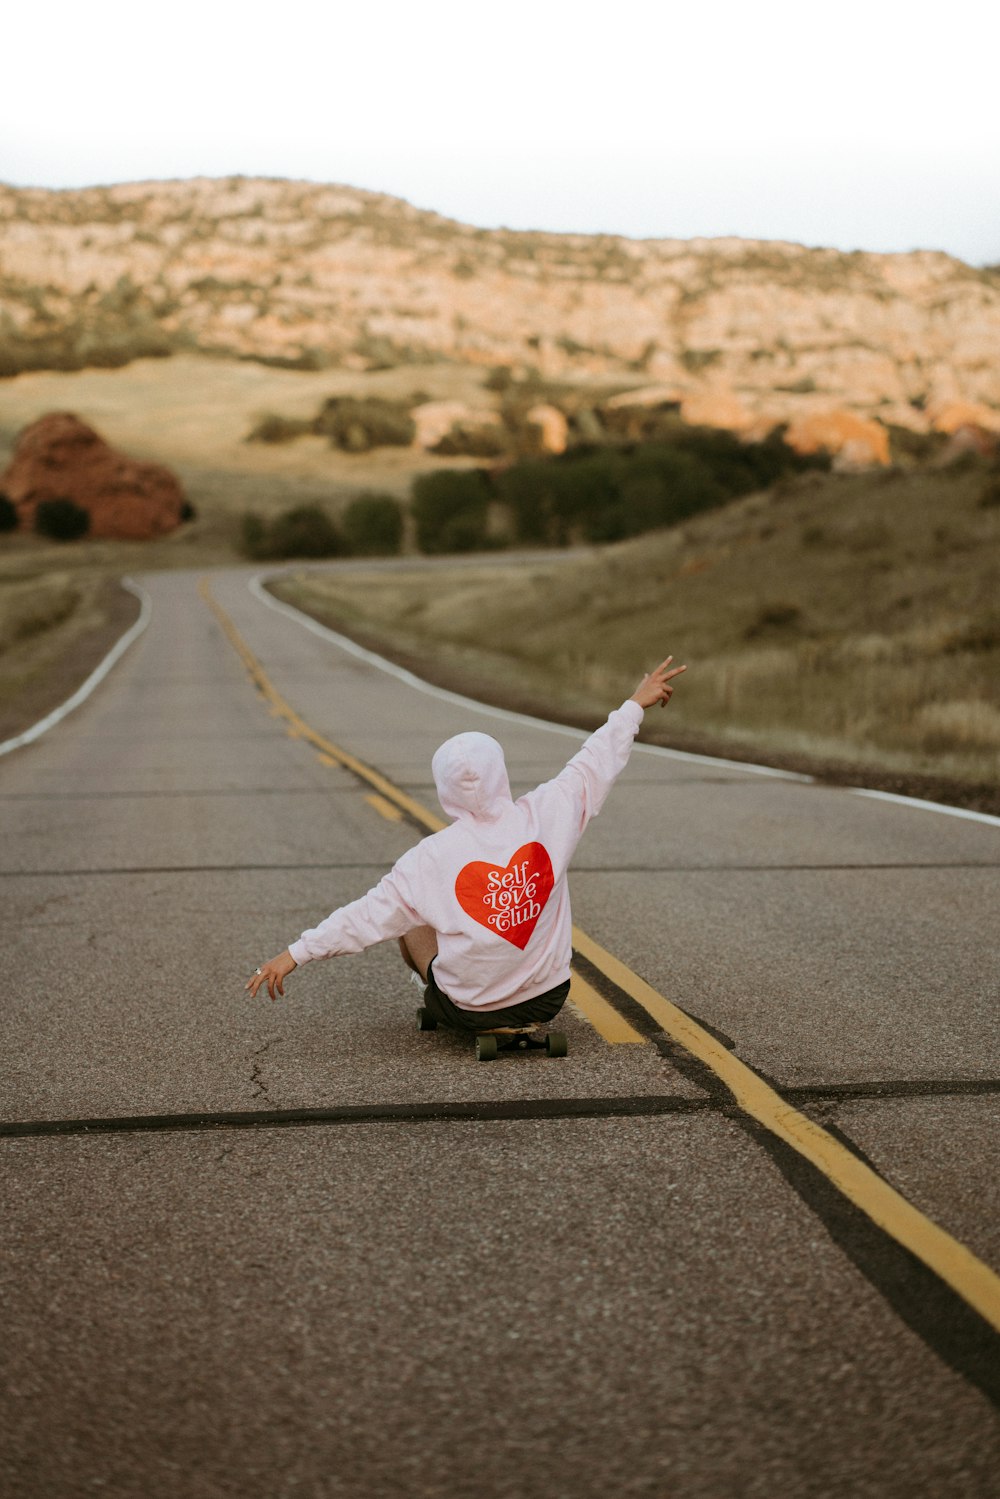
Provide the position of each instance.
(853, 620)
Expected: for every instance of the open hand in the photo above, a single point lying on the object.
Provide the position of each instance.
(656, 686)
(273, 973)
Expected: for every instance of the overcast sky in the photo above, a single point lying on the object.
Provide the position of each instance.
(862, 124)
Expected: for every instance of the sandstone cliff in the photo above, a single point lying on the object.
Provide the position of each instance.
(742, 333)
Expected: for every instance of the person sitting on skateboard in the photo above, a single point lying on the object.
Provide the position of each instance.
(481, 909)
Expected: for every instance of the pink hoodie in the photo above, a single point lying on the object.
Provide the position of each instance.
(493, 884)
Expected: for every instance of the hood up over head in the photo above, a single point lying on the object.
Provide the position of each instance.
(471, 777)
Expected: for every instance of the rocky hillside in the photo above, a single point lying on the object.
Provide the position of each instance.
(742, 333)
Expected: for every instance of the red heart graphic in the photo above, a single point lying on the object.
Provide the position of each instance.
(508, 901)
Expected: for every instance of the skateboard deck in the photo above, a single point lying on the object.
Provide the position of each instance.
(499, 1038)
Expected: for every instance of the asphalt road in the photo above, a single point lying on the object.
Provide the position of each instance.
(552, 1292)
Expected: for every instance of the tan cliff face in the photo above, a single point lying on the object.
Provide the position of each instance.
(740, 333)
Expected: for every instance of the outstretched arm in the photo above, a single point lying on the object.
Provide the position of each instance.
(273, 974)
(656, 686)
(387, 911)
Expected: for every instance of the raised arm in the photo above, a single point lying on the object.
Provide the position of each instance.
(657, 685)
(586, 780)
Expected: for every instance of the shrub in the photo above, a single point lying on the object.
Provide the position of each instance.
(357, 425)
(273, 428)
(606, 495)
(739, 467)
(775, 618)
(373, 525)
(62, 520)
(253, 535)
(8, 514)
(664, 485)
(467, 440)
(528, 489)
(304, 531)
(599, 493)
(451, 511)
(585, 499)
(981, 634)
(499, 379)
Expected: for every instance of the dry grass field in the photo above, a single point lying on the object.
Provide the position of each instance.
(194, 413)
(848, 618)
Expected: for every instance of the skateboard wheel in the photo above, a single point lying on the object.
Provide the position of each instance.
(486, 1048)
(556, 1044)
(425, 1020)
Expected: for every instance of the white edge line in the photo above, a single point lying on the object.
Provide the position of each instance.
(94, 680)
(915, 801)
(470, 704)
(400, 672)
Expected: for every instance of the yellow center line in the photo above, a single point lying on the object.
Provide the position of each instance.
(956, 1265)
(974, 1281)
(281, 708)
(607, 1022)
(384, 807)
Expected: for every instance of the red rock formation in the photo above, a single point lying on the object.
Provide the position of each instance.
(60, 457)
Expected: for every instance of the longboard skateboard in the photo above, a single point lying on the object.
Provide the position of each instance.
(490, 1043)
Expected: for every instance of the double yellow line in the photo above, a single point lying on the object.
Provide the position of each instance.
(957, 1266)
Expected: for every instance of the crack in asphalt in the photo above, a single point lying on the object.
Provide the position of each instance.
(260, 1087)
(479, 1110)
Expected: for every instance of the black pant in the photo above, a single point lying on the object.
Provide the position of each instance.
(535, 1011)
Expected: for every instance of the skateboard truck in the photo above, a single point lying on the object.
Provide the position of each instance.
(490, 1043)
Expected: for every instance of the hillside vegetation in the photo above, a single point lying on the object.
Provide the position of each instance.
(324, 277)
(851, 618)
